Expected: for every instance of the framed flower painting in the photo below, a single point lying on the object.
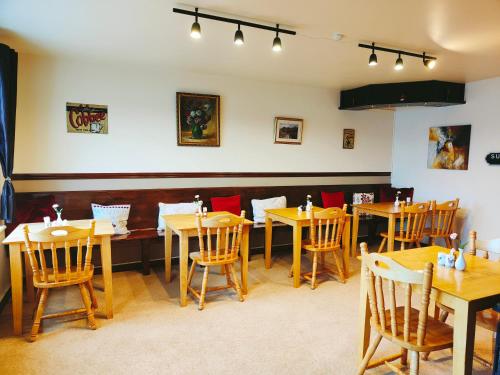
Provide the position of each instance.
(198, 120)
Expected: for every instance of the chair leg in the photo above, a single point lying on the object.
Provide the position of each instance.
(369, 354)
(418, 243)
(228, 275)
(322, 260)
(315, 268)
(433, 241)
(290, 273)
(191, 272)
(402, 245)
(201, 304)
(93, 297)
(404, 357)
(414, 362)
(339, 267)
(88, 306)
(38, 316)
(235, 281)
(382, 244)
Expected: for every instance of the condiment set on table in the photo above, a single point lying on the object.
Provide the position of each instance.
(449, 260)
(59, 222)
(308, 205)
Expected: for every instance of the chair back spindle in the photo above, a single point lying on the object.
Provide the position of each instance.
(381, 269)
(443, 218)
(227, 230)
(327, 227)
(59, 240)
(416, 217)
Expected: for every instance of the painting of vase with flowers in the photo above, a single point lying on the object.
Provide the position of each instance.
(198, 120)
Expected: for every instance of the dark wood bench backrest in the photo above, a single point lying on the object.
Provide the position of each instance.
(144, 202)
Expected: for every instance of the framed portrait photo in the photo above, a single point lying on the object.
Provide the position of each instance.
(288, 130)
(198, 120)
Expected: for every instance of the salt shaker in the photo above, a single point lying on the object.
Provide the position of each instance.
(205, 212)
(408, 201)
(46, 221)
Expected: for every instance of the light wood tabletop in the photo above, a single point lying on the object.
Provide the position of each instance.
(292, 217)
(475, 289)
(382, 209)
(103, 232)
(184, 225)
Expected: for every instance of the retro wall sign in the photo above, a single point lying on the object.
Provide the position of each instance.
(493, 158)
(87, 118)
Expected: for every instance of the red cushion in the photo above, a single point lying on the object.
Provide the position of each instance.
(231, 204)
(335, 199)
(32, 211)
(388, 194)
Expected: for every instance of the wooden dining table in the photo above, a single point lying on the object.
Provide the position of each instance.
(297, 221)
(382, 209)
(466, 292)
(103, 232)
(184, 226)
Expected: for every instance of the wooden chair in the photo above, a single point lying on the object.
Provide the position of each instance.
(489, 318)
(326, 230)
(228, 230)
(61, 275)
(442, 221)
(413, 218)
(411, 329)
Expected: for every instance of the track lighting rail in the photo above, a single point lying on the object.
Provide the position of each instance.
(396, 51)
(233, 21)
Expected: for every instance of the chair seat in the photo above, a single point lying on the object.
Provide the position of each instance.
(397, 237)
(74, 278)
(306, 245)
(213, 258)
(438, 335)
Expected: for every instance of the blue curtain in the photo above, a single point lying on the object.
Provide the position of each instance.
(8, 95)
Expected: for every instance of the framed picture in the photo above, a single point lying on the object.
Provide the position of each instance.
(288, 130)
(348, 139)
(86, 118)
(198, 120)
(449, 147)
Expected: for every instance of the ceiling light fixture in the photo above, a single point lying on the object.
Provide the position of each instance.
(430, 64)
(373, 57)
(238, 37)
(277, 41)
(196, 28)
(429, 61)
(399, 63)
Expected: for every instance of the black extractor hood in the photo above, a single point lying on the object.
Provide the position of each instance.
(389, 95)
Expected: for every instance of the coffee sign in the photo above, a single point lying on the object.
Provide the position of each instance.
(493, 158)
(87, 118)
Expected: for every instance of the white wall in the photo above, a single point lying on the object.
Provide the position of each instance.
(142, 123)
(478, 187)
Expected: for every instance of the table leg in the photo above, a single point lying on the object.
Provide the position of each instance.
(364, 315)
(107, 275)
(16, 280)
(269, 240)
(168, 254)
(355, 228)
(244, 259)
(297, 250)
(183, 267)
(391, 230)
(464, 330)
(346, 239)
(28, 271)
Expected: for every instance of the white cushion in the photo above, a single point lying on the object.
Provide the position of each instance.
(359, 198)
(118, 214)
(174, 208)
(259, 205)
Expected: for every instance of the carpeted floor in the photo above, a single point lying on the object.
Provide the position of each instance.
(277, 330)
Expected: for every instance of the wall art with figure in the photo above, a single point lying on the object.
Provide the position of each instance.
(198, 120)
(449, 147)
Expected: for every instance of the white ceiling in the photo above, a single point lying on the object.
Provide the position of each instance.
(463, 34)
